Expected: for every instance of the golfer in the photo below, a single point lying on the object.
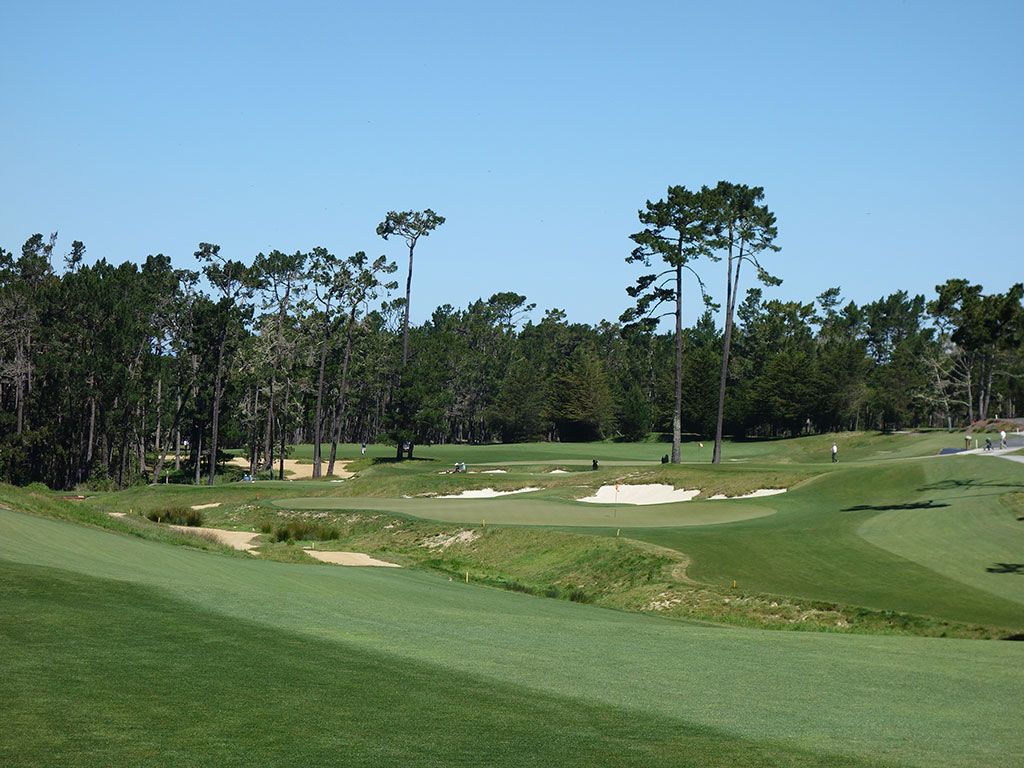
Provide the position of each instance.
(1002, 438)
(835, 450)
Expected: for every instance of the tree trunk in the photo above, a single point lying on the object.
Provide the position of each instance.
(318, 420)
(198, 453)
(176, 429)
(218, 392)
(405, 317)
(284, 426)
(677, 408)
(268, 438)
(339, 417)
(732, 286)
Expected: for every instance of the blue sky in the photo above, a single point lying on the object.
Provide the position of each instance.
(886, 135)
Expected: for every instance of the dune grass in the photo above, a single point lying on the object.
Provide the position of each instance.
(190, 674)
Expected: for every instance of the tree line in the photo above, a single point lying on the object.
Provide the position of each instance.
(115, 375)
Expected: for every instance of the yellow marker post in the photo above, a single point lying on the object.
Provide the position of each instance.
(467, 577)
(734, 583)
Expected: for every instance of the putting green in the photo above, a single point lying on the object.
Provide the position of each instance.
(896, 700)
(549, 510)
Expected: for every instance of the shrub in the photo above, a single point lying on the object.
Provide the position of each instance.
(176, 516)
(303, 530)
(577, 595)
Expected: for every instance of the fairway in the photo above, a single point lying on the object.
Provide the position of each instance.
(902, 700)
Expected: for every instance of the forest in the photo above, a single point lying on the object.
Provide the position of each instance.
(113, 375)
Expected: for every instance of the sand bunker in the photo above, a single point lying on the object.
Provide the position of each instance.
(295, 471)
(443, 540)
(243, 540)
(206, 506)
(752, 495)
(485, 493)
(494, 472)
(349, 558)
(559, 472)
(640, 495)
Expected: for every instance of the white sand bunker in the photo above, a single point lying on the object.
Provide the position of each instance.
(640, 495)
(243, 540)
(753, 494)
(206, 506)
(494, 472)
(486, 493)
(559, 472)
(349, 558)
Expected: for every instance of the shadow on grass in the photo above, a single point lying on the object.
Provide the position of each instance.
(949, 485)
(886, 507)
(1006, 568)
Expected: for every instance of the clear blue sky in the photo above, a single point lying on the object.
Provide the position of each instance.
(887, 135)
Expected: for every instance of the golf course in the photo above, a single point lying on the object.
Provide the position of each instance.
(859, 618)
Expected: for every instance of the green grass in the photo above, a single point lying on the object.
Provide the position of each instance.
(914, 558)
(162, 655)
(814, 449)
(103, 673)
(867, 533)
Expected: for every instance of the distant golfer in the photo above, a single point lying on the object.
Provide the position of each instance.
(362, 448)
(835, 451)
(1002, 438)
(967, 441)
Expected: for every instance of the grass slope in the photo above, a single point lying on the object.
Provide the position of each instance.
(813, 547)
(799, 696)
(102, 673)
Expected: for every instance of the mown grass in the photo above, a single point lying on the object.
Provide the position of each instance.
(896, 700)
(813, 547)
(36, 499)
(101, 673)
(812, 449)
(805, 547)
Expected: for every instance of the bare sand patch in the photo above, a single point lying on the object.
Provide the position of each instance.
(443, 540)
(117, 514)
(349, 558)
(206, 506)
(494, 472)
(759, 493)
(485, 493)
(242, 540)
(559, 472)
(296, 471)
(640, 495)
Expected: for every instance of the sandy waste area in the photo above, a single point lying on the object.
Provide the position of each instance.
(485, 493)
(660, 493)
(349, 558)
(298, 471)
(243, 540)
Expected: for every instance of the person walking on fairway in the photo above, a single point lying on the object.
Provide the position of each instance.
(362, 448)
(1002, 438)
(835, 450)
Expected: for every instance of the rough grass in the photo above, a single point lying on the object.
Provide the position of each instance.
(176, 516)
